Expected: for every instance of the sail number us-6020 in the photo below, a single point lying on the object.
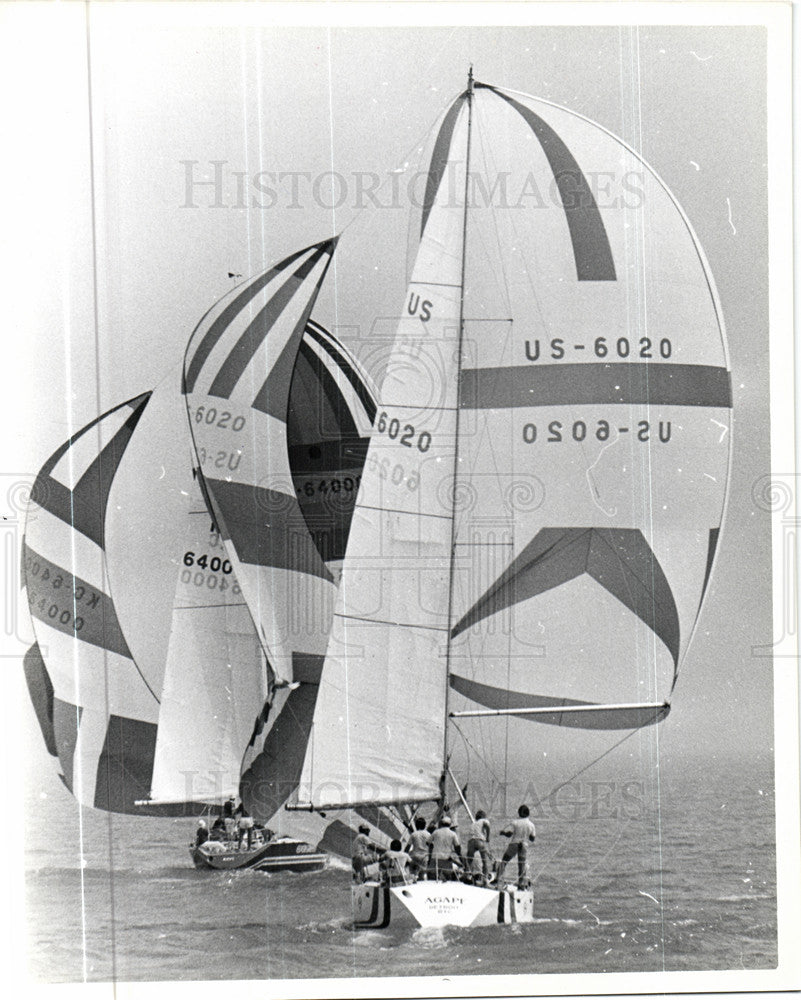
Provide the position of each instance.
(602, 430)
(601, 347)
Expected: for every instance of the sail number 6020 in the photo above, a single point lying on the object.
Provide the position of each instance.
(409, 436)
(580, 430)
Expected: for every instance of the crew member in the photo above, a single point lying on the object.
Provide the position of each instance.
(395, 862)
(245, 827)
(201, 834)
(418, 847)
(478, 842)
(444, 845)
(364, 853)
(521, 834)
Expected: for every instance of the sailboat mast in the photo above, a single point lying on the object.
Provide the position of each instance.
(451, 573)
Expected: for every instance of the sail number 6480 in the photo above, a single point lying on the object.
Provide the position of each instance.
(409, 436)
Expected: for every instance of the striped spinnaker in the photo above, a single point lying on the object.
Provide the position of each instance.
(98, 711)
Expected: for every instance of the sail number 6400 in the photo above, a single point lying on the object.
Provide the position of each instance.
(407, 434)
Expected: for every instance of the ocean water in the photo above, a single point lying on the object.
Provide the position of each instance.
(680, 881)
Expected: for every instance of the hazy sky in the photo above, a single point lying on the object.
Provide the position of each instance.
(691, 100)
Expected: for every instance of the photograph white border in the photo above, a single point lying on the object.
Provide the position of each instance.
(44, 20)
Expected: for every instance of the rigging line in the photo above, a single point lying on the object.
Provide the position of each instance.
(648, 470)
(592, 763)
(457, 418)
(568, 836)
(615, 842)
(493, 215)
(479, 756)
(520, 247)
(655, 743)
(104, 567)
(331, 140)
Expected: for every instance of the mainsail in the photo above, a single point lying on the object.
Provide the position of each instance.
(546, 542)
(385, 679)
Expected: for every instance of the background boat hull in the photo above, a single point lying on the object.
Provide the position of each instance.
(292, 856)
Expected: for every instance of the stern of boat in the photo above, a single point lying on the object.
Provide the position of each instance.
(439, 904)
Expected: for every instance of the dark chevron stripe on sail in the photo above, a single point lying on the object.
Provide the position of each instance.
(359, 387)
(84, 506)
(66, 719)
(338, 838)
(631, 383)
(381, 820)
(632, 717)
(619, 559)
(275, 772)
(40, 689)
(591, 249)
(710, 557)
(125, 766)
(220, 325)
(70, 605)
(252, 338)
(273, 397)
(266, 527)
(439, 158)
(345, 422)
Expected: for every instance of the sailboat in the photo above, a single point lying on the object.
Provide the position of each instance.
(148, 678)
(283, 506)
(540, 509)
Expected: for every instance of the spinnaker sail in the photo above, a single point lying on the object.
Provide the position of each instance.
(238, 370)
(175, 601)
(98, 711)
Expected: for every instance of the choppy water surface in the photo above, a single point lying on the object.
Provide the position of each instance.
(685, 882)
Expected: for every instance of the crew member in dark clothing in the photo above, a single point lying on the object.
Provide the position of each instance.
(245, 824)
(201, 834)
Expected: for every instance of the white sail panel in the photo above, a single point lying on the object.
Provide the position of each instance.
(208, 710)
(384, 677)
(167, 565)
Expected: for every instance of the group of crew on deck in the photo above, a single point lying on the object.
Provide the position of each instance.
(434, 851)
(233, 825)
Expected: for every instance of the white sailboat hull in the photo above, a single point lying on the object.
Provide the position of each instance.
(439, 904)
